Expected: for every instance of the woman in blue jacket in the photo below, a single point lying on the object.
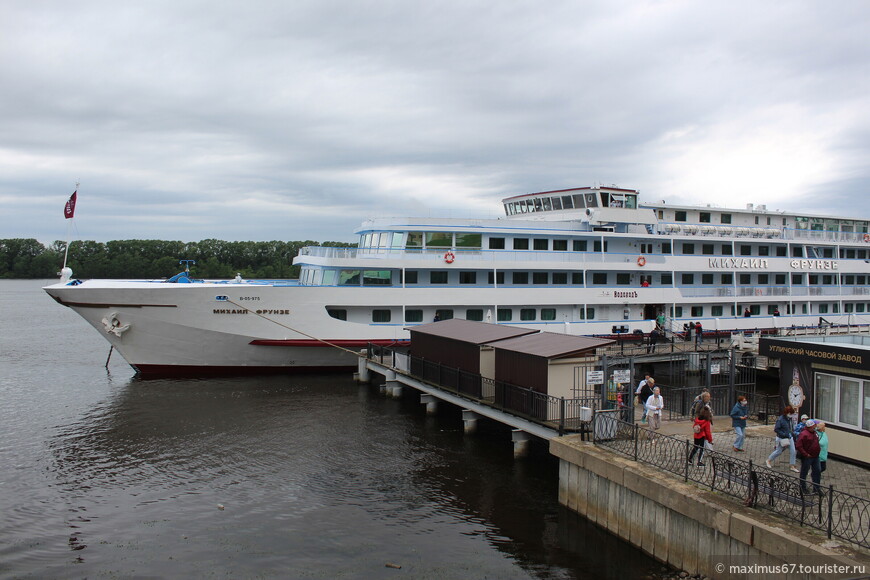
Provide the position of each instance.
(738, 421)
(784, 439)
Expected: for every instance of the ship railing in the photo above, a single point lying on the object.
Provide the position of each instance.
(828, 236)
(558, 413)
(826, 509)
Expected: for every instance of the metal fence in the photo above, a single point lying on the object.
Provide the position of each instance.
(557, 413)
(833, 512)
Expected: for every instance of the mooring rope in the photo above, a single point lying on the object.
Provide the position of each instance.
(293, 329)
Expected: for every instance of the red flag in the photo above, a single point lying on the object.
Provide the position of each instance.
(70, 208)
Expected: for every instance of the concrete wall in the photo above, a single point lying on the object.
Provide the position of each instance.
(675, 522)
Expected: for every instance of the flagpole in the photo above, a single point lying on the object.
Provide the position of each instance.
(66, 273)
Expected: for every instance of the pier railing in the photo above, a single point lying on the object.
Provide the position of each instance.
(833, 512)
(559, 413)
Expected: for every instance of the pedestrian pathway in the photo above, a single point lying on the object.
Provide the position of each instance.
(758, 445)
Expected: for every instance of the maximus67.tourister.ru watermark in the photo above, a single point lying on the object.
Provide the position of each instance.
(789, 567)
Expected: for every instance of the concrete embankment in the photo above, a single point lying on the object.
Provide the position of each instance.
(680, 523)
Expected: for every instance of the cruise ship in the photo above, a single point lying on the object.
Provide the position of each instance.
(584, 261)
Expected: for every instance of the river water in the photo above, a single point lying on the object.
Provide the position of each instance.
(103, 475)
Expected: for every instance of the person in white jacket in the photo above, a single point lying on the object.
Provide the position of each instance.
(654, 405)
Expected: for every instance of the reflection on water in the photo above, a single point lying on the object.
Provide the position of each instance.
(292, 476)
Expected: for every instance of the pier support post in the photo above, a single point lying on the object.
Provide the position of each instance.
(394, 388)
(430, 402)
(362, 374)
(521, 443)
(469, 421)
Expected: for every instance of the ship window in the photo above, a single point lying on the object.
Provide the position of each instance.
(688, 248)
(725, 218)
(541, 244)
(567, 202)
(505, 314)
(704, 218)
(540, 277)
(415, 240)
(577, 278)
(763, 279)
(677, 312)
(781, 251)
(337, 313)
(706, 278)
(745, 279)
(599, 278)
(756, 220)
(474, 314)
(438, 277)
(497, 279)
(768, 221)
(410, 276)
(780, 279)
(797, 252)
(763, 250)
(528, 314)
(521, 244)
(520, 277)
(469, 240)
(726, 249)
(848, 307)
(679, 216)
(496, 243)
(443, 314)
(548, 314)
(397, 240)
(376, 277)
(697, 311)
(468, 277)
(745, 250)
(560, 245)
(439, 239)
(827, 279)
(415, 315)
(823, 308)
(623, 279)
(727, 279)
(848, 280)
(859, 280)
(859, 307)
(546, 202)
(715, 311)
(687, 279)
(587, 314)
(666, 247)
(328, 277)
(707, 249)
(813, 279)
(560, 277)
(557, 203)
(646, 248)
(596, 246)
(579, 245)
(348, 278)
(379, 315)
(797, 278)
(667, 279)
(591, 201)
(537, 204)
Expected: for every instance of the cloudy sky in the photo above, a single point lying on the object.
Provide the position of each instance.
(289, 120)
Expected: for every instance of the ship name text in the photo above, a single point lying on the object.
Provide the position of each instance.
(244, 311)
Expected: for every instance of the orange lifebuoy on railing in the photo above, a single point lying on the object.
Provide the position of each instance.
(641, 261)
(449, 257)
(867, 237)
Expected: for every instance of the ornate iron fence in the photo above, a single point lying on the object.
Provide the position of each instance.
(828, 510)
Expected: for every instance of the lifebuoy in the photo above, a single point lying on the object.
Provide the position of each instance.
(641, 261)
(867, 237)
(449, 257)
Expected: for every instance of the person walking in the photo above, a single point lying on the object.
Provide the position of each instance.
(808, 450)
(703, 435)
(654, 406)
(699, 334)
(738, 421)
(784, 439)
(644, 390)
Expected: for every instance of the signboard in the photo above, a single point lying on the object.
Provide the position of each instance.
(594, 377)
(715, 368)
(622, 376)
(836, 354)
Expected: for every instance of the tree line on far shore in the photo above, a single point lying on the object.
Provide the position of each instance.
(28, 258)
